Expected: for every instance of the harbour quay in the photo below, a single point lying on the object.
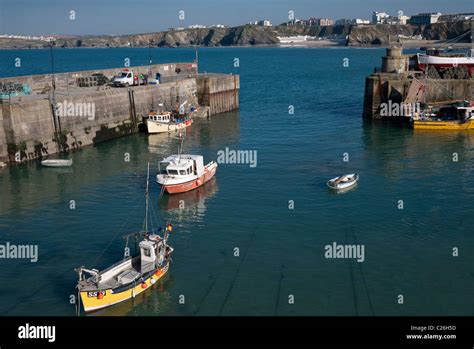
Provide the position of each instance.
(51, 113)
(406, 79)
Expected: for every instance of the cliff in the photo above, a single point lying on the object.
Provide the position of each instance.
(379, 34)
(236, 36)
(249, 35)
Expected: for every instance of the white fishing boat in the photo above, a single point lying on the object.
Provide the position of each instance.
(57, 163)
(166, 121)
(344, 181)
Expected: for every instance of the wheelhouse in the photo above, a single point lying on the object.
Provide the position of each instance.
(183, 167)
(455, 113)
(163, 117)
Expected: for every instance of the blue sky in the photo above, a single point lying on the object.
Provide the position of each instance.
(141, 16)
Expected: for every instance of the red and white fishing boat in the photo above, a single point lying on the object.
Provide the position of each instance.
(182, 173)
(438, 60)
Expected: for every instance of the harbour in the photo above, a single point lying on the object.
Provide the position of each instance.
(406, 251)
(47, 120)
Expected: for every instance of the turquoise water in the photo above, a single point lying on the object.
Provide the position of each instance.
(407, 252)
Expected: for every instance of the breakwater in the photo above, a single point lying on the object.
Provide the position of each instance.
(393, 82)
(85, 109)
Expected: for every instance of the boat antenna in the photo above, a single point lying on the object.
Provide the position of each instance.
(180, 147)
(147, 198)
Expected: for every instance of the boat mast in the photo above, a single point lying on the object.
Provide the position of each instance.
(147, 198)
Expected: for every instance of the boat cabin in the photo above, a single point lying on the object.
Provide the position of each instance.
(455, 113)
(182, 165)
(153, 253)
(162, 117)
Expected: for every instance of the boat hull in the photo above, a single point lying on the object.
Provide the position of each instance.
(154, 127)
(343, 185)
(91, 301)
(57, 163)
(443, 125)
(424, 61)
(209, 172)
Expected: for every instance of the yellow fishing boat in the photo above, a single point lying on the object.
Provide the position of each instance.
(452, 118)
(131, 276)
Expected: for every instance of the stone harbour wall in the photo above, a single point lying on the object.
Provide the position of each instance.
(31, 128)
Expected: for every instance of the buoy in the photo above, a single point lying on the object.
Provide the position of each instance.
(157, 273)
(144, 285)
(198, 182)
(152, 281)
(100, 295)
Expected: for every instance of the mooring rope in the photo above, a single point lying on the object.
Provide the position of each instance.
(229, 291)
(354, 292)
(277, 303)
(371, 306)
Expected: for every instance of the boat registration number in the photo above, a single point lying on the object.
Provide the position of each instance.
(95, 293)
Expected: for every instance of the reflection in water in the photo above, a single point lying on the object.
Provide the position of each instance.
(400, 150)
(160, 143)
(190, 205)
(220, 129)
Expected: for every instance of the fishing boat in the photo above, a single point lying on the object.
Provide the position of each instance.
(344, 181)
(131, 276)
(453, 118)
(182, 173)
(442, 60)
(57, 163)
(166, 121)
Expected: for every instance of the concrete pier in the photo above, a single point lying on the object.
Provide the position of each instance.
(218, 91)
(393, 82)
(30, 128)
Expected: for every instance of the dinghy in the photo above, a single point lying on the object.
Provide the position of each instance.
(344, 181)
(57, 163)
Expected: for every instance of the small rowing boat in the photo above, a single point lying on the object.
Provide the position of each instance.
(57, 163)
(344, 181)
